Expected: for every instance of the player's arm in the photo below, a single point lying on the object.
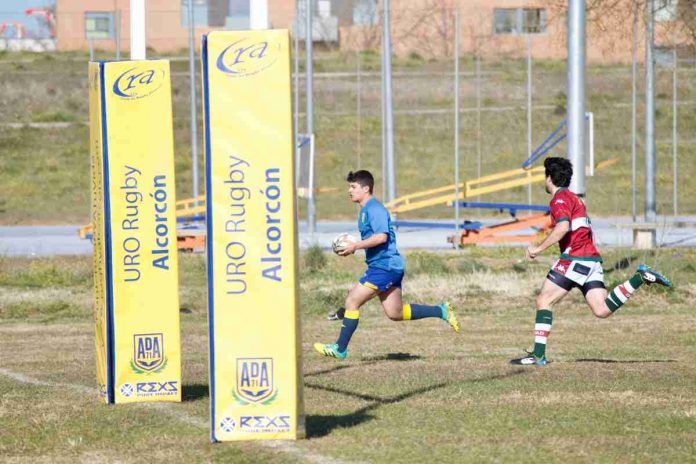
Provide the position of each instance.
(554, 237)
(379, 223)
(370, 242)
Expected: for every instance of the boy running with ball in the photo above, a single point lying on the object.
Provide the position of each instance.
(385, 270)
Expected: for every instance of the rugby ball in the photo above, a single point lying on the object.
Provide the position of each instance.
(341, 241)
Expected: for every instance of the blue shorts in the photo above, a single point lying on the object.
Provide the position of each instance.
(381, 280)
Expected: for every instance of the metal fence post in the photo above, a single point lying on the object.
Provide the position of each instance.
(675, 97)
(634, 72)
(311, 205)
(388, 106)
(650, 167)
(529, 108)
(457, 40)
(194, 121)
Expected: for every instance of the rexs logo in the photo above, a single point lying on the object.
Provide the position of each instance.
(246, 57)
(138, 83)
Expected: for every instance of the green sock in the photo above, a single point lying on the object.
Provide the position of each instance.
(621, 293)
(542, 327)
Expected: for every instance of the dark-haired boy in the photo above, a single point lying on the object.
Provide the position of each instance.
(580, 264)
(385, 270)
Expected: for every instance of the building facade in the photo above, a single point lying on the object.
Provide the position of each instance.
(102, 24)
(491, 28)
(509, 28)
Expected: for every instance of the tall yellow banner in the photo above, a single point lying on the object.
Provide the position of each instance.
(255, 379)
(136, 305)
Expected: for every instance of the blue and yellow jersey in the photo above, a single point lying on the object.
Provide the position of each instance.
(374, 219)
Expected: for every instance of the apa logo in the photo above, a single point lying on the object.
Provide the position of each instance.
(148, 353)
(246, 57)
(138, 83)
(255, 381)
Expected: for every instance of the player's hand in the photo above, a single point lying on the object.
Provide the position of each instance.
(349, 249)
(530, 253)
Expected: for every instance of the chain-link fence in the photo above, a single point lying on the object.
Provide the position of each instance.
(48, 92)
(494, 135)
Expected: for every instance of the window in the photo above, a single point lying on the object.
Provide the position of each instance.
(505, 21)
(365, 13)
(534, 20)
(233, 14)
(666, 10)
(239, 8)
(238, 15)
(200, 13)
(519, 20)
(323, 9)
(99, 25)
(217, 12)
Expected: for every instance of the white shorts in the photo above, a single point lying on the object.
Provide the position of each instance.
(584, 275)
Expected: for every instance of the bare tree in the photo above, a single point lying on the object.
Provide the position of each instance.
(687, 15)
(429, 27)
(604, 15)
(370, 32)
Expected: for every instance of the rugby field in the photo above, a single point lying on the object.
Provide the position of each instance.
(618, 390)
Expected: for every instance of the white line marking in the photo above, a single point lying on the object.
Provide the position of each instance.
(170, 410)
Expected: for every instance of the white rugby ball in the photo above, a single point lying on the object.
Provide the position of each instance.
(341, 241)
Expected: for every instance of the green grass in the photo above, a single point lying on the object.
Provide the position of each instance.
(618, 390)
(44, 173)
(53, 116)
(79, 429)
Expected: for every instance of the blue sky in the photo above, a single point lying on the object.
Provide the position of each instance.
(13, 10)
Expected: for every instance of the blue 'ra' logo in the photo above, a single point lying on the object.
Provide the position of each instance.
(148, 352)
(138, 83)
(255, 381)
(244, 57)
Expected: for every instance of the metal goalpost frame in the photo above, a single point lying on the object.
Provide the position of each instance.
(576, 94)
(137, 30)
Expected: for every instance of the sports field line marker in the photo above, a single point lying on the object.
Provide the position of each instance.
(170, 410)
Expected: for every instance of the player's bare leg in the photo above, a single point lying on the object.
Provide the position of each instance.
(392, 304)
(596, 300)
(549, 295)
(358, 295)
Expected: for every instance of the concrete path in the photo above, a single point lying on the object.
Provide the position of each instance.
(63, 240)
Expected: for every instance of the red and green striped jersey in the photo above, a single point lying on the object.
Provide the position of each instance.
(578, 243)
